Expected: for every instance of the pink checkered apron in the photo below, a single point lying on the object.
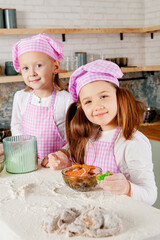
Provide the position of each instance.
(101, 154)
(39, 121)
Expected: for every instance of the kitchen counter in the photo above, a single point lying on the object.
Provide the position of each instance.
(27, 199)
(151, 130)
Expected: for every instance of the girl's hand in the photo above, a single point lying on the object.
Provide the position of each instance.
(1, 149)
(58, 160)
(117, 184)
(44, 162)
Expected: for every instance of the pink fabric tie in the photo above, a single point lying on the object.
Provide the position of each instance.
(39, 121)
(101, 154)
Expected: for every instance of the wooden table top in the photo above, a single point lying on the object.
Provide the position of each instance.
(151, 130)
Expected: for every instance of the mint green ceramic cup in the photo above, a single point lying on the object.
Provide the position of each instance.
(10, 19)
(20, 153)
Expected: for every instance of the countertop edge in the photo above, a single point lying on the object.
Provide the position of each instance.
(151, 130)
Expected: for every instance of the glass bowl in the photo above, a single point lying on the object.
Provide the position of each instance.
(1, 163)
(20, 153)
(81, 183)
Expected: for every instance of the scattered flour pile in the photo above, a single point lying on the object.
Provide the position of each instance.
(92, 222)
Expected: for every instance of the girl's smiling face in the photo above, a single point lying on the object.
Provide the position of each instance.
(99, 103)
(37, 70)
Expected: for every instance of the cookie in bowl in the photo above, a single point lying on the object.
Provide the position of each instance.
(81, 177)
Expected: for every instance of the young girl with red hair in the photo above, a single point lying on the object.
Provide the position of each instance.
(101, 126)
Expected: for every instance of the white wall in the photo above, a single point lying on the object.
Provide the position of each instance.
(152, 12)
(152, 49)
(152, 46)
(88, 14)
(77, 13)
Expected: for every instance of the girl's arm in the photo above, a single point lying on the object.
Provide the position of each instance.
(139, 169)
(62, 102)
(16, 119)
(136, 177)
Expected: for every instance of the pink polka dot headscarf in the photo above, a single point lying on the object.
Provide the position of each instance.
(94, 71)
(38, 43)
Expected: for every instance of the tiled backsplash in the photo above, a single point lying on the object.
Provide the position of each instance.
(144, 85)
(7, 92)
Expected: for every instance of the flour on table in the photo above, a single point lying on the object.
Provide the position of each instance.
(92, 222)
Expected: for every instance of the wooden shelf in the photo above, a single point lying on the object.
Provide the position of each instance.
(79, 30)
(140, 69)
(18, 78)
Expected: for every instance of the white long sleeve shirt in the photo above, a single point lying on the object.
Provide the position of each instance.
(62, 102)
(134, 160)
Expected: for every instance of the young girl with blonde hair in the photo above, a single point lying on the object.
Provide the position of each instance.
(101, 126)
(41, 107)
